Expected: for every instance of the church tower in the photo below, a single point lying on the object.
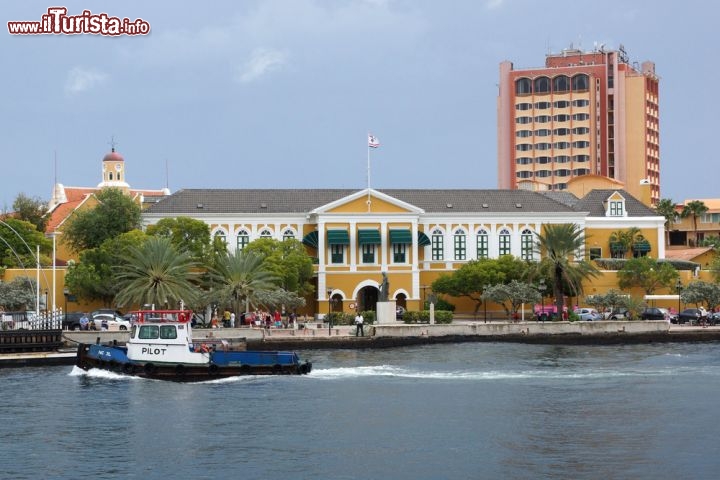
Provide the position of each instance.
(113, 171)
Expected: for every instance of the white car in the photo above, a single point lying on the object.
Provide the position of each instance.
(113, 322)
(588, 314)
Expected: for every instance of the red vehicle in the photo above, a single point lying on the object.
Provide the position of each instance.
(548, 312)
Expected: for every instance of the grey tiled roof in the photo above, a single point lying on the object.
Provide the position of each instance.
(565, 198)
(593, 203)
(211, 201)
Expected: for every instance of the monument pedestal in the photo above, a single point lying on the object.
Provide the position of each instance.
(386, 312)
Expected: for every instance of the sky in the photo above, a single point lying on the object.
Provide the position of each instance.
(282, 93)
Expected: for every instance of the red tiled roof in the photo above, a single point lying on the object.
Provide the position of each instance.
(685, 253)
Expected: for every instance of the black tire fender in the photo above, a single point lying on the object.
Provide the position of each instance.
(149, 369)
(213, 369)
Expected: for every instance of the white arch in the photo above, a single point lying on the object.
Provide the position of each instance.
(399, 291)
(337, 291)
(363, 284)
(217, 230)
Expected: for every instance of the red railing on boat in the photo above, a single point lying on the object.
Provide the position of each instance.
(142, 316)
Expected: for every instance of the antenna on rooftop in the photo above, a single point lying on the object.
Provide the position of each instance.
(112, 142)
(167, 175)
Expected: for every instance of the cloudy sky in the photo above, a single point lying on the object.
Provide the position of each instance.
(282, 93)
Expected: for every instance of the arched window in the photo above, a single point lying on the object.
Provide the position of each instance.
(110, 176)
(523, 86)
(561, 83)
(221, 235)
(526, 244)
(437, 244)
(541, 85)
(243, 238)
(504, 242)
(288, 234)
(265, 233)
(580, 82)
(482, 243)
(460, 244)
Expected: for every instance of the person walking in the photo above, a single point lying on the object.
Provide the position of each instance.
(359, 330)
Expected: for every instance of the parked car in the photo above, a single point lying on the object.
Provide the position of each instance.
(111, 321)
(655, 313)
(71, 321)
(399, 312)
(588, 314)
(692, 316)
(618, 314)
(713, 318)
(109, 311)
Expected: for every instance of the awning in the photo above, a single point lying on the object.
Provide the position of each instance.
(311, 239)
(423, 240)
(338, 237)
(400, 236)
(369, 237)
(643, 246)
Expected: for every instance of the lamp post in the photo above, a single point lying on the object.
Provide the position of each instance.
(329, 292)
(485, 289)
(541, 289)
(678, 287)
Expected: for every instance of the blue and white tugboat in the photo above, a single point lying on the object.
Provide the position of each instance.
(161, 347)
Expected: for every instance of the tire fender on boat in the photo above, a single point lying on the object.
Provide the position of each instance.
(128, 368)
(149, 369)
(213, 369)
(304, 369)
(180, 370)
(277, 369)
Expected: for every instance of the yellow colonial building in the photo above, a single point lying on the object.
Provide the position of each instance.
(411, 235)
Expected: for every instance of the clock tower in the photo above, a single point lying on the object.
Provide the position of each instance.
(113, 171)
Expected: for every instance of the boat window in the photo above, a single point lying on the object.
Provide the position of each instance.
(168, 332)
(148, 332)
(133, 331)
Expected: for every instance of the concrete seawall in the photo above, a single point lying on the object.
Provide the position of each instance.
(382, 336)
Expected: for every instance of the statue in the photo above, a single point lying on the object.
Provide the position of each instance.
(384, 288)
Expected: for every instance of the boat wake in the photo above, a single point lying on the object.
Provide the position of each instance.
(476, 375)
(104, 374)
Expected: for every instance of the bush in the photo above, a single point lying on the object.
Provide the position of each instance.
(346, 318)
(441, 316)
(441, 304)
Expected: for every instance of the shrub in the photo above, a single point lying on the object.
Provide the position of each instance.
(441, 316)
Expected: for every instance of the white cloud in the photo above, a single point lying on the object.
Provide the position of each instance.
(262, 61)
(82, 79)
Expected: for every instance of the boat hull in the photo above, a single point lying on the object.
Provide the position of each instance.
(220, 365)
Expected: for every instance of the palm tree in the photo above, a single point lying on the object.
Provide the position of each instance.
(241, 279)
(624, 239)
(561, 246)
(694, 209)
(156, 274)
(666, 208)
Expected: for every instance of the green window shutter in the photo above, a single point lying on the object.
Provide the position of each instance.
(368, 237)
(400, 236)
(338, 237)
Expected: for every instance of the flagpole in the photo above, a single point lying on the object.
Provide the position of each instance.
(368, 171)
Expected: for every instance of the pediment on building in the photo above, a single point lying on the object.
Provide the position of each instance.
(368, 201)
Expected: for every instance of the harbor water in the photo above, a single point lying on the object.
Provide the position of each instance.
(460, 411)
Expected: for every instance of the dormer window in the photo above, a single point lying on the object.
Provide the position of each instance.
(616, 208)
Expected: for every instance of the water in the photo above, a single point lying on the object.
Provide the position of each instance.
(479, 410)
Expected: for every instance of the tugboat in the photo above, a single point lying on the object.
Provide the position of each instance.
(161, 347)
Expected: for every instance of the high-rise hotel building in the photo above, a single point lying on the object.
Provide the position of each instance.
(584, 113)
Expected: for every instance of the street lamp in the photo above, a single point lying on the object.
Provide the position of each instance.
(678, 287)
(329, 292)
(485, 289)
(541, 288)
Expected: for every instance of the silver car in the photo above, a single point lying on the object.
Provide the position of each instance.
(588, 314)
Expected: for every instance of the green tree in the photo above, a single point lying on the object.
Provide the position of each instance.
(621, 241)
(156, 274)
(33, 210)
(694, 209)
(116, 213)
(240, 280)
(470, 280)
(288, 261)
(512, 295)
(19, 294)
(562, 247)
(18, 244)
(186, 234)
(711, 241)
(702, 293)
(611, 300)
(93, 277)
(666, 208)
(648, 274)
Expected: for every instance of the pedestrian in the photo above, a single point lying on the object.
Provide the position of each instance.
(84, 322)
(232, 320)
(359, 330)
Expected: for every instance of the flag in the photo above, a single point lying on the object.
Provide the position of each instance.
(373, 141)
